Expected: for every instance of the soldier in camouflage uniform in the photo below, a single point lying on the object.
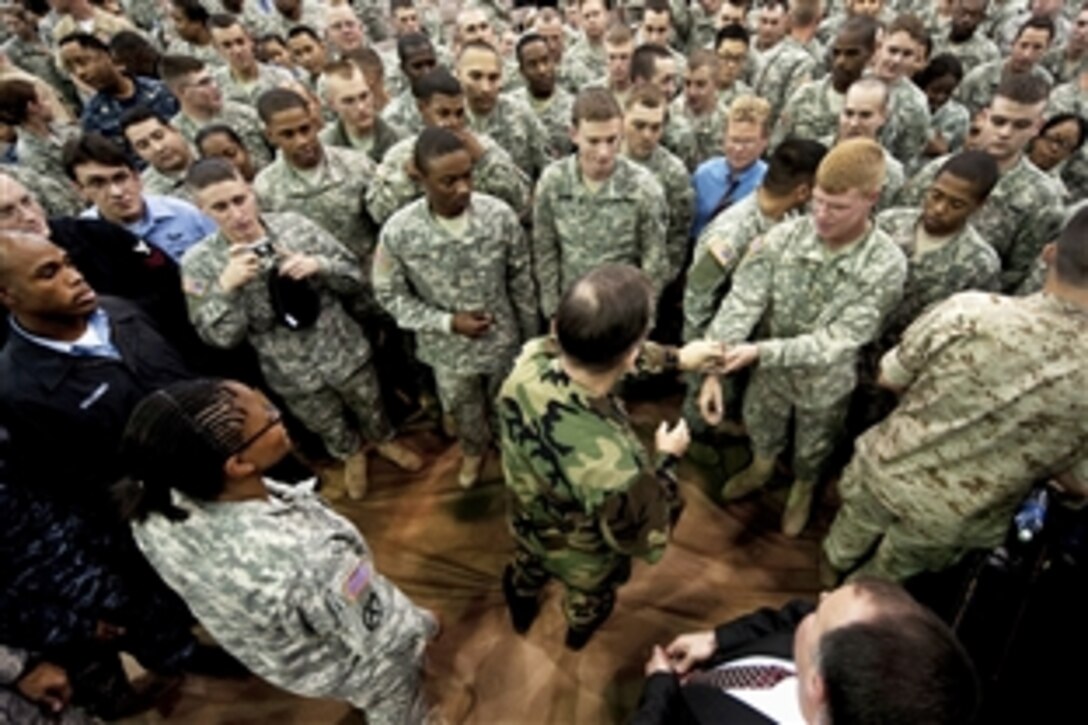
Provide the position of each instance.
(57, 196)
(202, 105)
(946, 471)
(241, 78)
(785, 190)
(1023, 211)
(595, 207)
(643, 123)
(656, 65)
(512, 125)
(162, 147)
(585, 61)
(417, 58)
(813, 109)
(701, 104)
(322, 365)
(326, 185)
(783, 69)
(949, 119)
(551, 103)
(345, 90)
(965, 39)
(822, 285)
(442, 103)
(40, 136)
(282, 582)
(584, 496)
(907, 126)
(27, 50)
(980, 84)
(469, 325)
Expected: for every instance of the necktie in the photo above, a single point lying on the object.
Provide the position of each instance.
(742, 677)
(726, 201)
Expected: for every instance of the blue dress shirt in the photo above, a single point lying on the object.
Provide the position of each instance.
(711, 181)
(173, 225)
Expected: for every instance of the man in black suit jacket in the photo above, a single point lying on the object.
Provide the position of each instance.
(868, 653)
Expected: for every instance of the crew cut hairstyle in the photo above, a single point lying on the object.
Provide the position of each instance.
(278, 100)
(222, 21)
(15, 95)
(793, 162)
(603, 315)
(644, 61)
(85, 41)
(437, 82)
(530, 37)
(732, 31)
(433, 143)
(174, 68)
(1038, 22)
(595, 104)
(93, 148)
(862, 27)
(209, 171)
(939, 66)
(178, 439)
(1023, 88)
(1071, 258)
(975, 167)
(193, 10)
(411, 42)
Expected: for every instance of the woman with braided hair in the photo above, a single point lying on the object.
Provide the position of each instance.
(281, 581)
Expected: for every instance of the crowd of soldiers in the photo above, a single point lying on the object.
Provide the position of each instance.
(858, 226)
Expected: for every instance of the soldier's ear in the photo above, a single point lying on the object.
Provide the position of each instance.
(1050, 253)
(236, 467)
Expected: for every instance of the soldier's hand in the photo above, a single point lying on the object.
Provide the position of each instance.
(299, 266)
(705, 356)
(673, 441)
(242, 266)
(740, 357)
(46, 684)
(710, 400)
(472, 324)
(689, 650)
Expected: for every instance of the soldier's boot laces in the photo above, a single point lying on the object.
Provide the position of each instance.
(470, 471)
(523, 610)
(753, 477)
(400, 455)
(798, 507)
(355, 475)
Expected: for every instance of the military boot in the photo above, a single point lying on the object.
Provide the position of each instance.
(523, 610)
(753, 477)
(400, 455)
(798, 507)
(470, 470)
(355, 475)
(578, 637)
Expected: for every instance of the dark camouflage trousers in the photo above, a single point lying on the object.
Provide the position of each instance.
(328, 411)
(590, 579)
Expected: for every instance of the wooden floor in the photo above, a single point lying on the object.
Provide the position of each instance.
(446, 548)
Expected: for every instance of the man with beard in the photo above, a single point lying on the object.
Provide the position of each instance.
(964, 39)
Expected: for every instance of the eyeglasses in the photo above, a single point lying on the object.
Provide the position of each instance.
(275, 418)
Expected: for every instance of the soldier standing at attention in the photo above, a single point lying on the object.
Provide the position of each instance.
(584, 495)
(596, 207)
(822, 285)
(238, 286)
(469, 324)
(992, 400)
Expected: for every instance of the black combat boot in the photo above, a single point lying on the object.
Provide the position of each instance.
(523, 610)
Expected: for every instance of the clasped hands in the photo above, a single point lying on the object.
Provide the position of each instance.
(683, 654)
(714, 359)
(245, 264)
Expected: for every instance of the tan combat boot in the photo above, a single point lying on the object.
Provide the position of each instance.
(355, 475)
(332, 482)
(470, 471)
(400, 455)
(798, 508)
(753, 477)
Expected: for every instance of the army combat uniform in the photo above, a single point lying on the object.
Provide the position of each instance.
(321, 371)
(513, 126)
(424, 273)
(584, 496)
(242, 119)
(820, 308)
(673, 176)
(994, 401)
(290, 588)
(575, 228)
(783, 69)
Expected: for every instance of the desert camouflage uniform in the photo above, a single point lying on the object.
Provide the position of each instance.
(494, 173)
(675, 181)
(821, 307)
(423, 275)
(333, 198)
(403, 113)
(242, 119)
(783, 69)
(905, 132)
(584, 496)
(575, 229)
(994, 402)
(290, 588)
(1022, 214)
(978, 86)
(268, 77)
(385, 136)
(321, 371)
(811, 112)
(708, 128)
(515, 128)
(554, 114)
(976, 51)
